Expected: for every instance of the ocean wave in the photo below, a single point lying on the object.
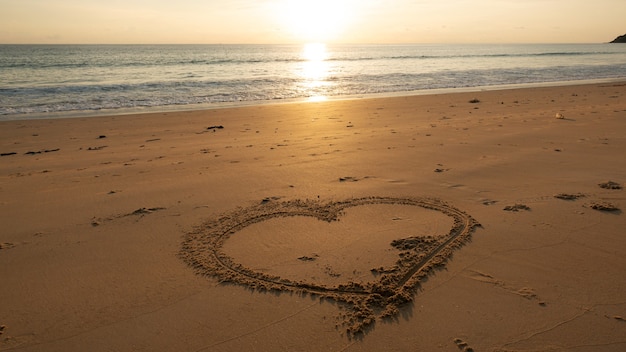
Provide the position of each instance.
(37, 100)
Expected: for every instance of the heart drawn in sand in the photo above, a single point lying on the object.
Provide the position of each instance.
(393, 285)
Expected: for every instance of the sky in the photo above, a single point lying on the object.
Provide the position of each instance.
(302, 21)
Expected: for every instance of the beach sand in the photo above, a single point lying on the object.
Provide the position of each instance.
(479, 221)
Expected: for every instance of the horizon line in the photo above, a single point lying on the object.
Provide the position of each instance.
(324, 42)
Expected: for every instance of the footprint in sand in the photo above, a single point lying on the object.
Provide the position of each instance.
(603, 206)
(6, 245)
(525, 292)
(569, 196)
(462, 345)
(97, 148)
(516, 207)
(141, 212)
(348, 179)
(610, 185)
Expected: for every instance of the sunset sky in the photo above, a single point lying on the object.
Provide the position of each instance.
(292, 21)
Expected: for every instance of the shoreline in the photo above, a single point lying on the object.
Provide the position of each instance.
(228, 105)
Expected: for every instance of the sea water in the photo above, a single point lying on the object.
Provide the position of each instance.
(65, 80)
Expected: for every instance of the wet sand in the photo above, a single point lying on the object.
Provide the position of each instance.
(485, 221)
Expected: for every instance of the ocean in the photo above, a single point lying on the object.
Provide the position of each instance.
(39, 81)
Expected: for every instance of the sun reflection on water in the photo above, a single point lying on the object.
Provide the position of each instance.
(315, 71)
(315, 52)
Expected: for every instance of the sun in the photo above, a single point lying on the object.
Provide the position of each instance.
(316, 20)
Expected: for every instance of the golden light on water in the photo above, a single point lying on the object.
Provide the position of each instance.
(315, 69)
(315, 52)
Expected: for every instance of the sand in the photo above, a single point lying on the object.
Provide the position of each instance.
(484, 221)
